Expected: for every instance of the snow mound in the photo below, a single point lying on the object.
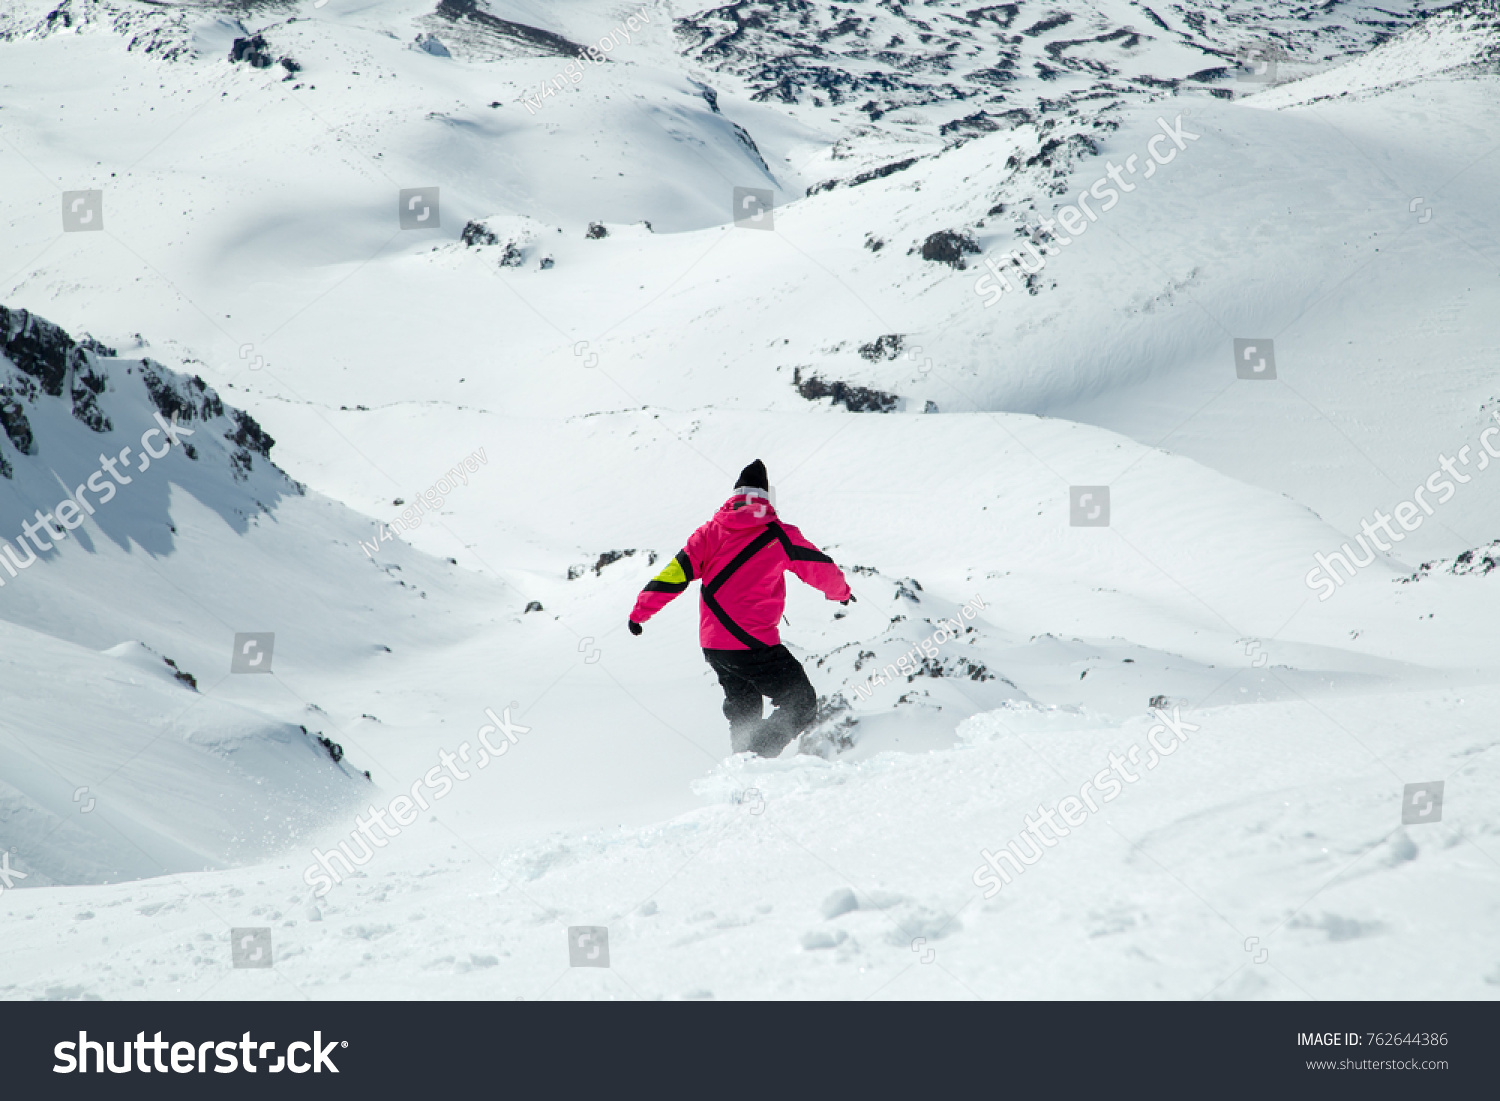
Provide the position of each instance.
(112, 768)
(1025, 718)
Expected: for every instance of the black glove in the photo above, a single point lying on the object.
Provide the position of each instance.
(851, 600)
(635, 628)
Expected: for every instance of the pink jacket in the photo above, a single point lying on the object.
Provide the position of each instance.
(740, 556)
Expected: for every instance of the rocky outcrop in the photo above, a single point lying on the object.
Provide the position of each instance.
(885, 346)
(883, 57)
(467, 28)
(948, 246)
(1477, 562)
(253, 51)
(54, 361)
(856, 399)
(39, 361)
(160, 31)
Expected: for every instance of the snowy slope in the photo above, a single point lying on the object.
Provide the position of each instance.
(616, 378)
(113, 769)
(1262, 860)
(126, 758)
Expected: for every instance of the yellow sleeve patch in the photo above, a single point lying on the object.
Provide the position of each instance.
(673, 574)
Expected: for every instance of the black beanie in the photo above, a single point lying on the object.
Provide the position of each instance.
(753, 477)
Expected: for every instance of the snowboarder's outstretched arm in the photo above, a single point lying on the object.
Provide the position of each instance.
(813, 566)
(662, 589)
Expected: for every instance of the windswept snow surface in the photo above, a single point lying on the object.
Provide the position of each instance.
(567, 363)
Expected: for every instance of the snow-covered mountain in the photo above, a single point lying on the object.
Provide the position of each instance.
(488, 274)
(122, 760)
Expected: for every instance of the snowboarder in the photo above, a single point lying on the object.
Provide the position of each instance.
(740, 556)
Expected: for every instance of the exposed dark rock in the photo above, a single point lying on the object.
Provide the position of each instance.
(888, 346)
(183, 676)
(1002, 15)
(49, 361)
(1473, 562)
(151, 28)
(86, 409)
(335, 750)
(185, 401)
(1051, 23)
(949, 247)
(1124, 36)
(477, 233)
(977, 123)
(13, 418)
(750, 147)
(254, 51)
(1169, 84)
(883, 171)
(856, 399)
(710, 96)
(247, 436)
(1476, 562)
(38, 348)
(960, 667)
(49, 356)
(596, 231)
(89, 344)
(88, 384)
(1155, 18)
(864, 177)
(494, 31)
(609, 557)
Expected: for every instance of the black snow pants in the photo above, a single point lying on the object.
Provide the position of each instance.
(746, 676)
